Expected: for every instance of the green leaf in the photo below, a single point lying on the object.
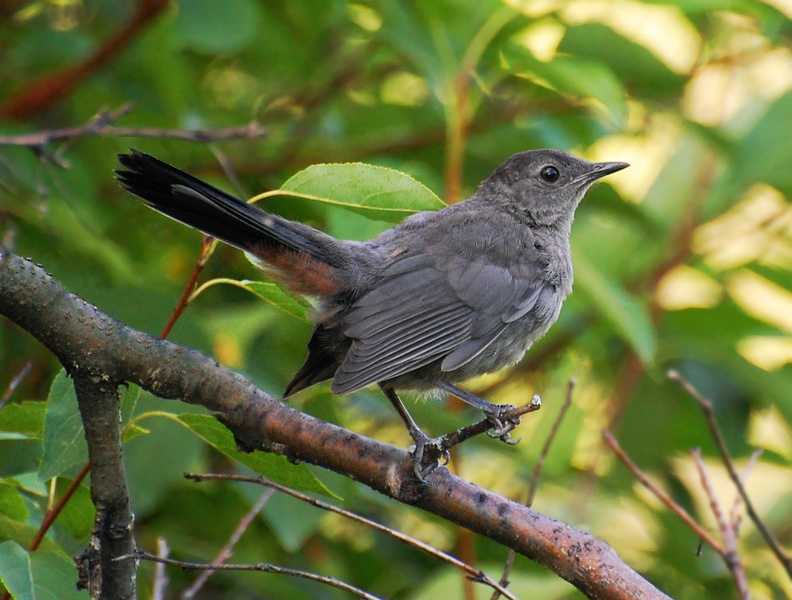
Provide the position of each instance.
(64, 442)
(37, 576)
(765, 153)
(131, 432)
(64, 438)
(376, 192)
(22, 533)
(210, 27)
(571, 76)
(12, 503)
(277, 468)
(638, 69)
(627, 316)
(26, 418)
(293, 522)
(128, 400)
(273, 294)
(78, 515)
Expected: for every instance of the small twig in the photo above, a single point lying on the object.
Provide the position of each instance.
(160, 575)
(662, 496)
(227, 551)
(732, 556)
(263, 567)
(548, 442)
(102, 124)
(734, 518)
(706, 407)
(454, 438)
(534, 485)
(207, 247)
(228, 169)
(41, 94)
(472, 572)
(18, 378)
(52, 514)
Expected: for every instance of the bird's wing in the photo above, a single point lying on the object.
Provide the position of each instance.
(420, 312)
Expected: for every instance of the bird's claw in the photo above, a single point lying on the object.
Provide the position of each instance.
(501, 427)
(430, 448)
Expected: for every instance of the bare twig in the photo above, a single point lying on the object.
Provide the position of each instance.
(548, 442)
(454, 438)
(160, 586)
(102, 124)
(227, 551)
(263, 567)
(14, 384)
(472, 572)
(207, 247)
(52, 514)
(732, 555)
(229, 171)
(42, 94)
(537, 472)
(662, 496)
(706, 407)
(734, 518)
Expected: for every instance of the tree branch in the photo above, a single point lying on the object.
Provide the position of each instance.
(42, 94)
(97, 398)
(93, 345)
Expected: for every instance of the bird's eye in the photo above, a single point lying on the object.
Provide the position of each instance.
(550, 174)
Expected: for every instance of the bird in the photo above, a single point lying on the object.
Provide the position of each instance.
(441, 298)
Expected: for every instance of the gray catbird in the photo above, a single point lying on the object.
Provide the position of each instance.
(440, 298)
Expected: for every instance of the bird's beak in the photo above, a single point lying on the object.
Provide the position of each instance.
(599, 170)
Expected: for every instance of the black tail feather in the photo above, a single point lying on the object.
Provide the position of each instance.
(214, 212)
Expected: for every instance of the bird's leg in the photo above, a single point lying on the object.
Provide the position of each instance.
(495, 413)
(422, 441)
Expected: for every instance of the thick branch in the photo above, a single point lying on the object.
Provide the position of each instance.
(112, 536)
(88, 341)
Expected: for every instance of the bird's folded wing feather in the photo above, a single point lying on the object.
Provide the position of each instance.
(421, 312)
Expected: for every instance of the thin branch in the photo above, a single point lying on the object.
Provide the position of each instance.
(102, 124)
(732, 555)
(454, 438)
(229, 171)
(548, 442)
(473, 573)
(160, 587)
(98, 401)
(537, 472)
(228, 550)
(706, 406)
(662, 496)
(14, 383)
(89, 342)
(207, 247)
(734, 518)
(263, 567)
(52, 514)
(42, 94)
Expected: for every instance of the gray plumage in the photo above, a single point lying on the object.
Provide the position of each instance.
(438, 299)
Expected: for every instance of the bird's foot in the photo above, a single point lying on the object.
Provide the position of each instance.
(503, 420)
(428, 453)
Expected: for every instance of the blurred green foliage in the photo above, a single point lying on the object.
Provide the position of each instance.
(683, 261)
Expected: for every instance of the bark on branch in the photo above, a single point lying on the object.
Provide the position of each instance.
(93, 345)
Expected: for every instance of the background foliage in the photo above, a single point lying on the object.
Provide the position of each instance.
(682, 261)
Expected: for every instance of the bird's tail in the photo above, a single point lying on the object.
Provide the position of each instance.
(305, 259)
